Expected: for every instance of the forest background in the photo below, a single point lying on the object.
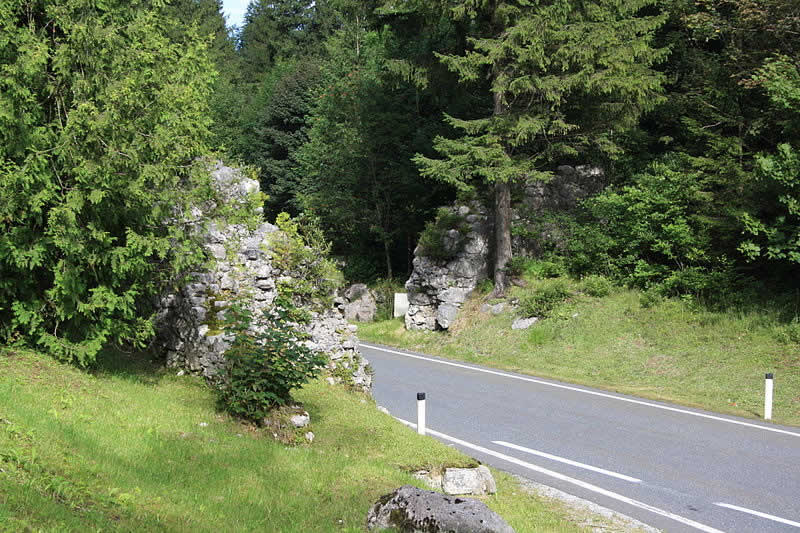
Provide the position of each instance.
(363, 117)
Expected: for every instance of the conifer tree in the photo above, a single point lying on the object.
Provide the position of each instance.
(566, 76)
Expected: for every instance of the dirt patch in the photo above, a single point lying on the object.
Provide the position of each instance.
(662, 365)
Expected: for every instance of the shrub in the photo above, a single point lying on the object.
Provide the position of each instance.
(301, 248)
(265, 362)
(596, 286)
(384, 290)
(543, 300)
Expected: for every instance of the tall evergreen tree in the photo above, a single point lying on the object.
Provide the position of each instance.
(103, 116)
(566, 77)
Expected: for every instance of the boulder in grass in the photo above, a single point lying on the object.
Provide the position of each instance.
(414, 510)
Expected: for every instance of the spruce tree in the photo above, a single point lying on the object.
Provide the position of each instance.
(566, 77)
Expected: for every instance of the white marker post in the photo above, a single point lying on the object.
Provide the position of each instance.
(768, 387)
(421, 413)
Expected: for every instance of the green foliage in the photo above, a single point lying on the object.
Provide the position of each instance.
(651, 232)
(384, 290)
(596, 286)
(103, 117)
(301, 249)
(266, 360)
(445, 236)
(545, 298)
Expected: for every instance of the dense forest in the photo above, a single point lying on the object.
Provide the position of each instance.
(362, 117)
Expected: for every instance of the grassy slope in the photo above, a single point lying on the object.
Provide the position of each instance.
(125, 449)
(670, 351)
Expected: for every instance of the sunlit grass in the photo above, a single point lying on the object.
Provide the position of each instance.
(672, 351)
(134, 448)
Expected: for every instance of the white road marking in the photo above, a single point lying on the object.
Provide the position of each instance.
(562, 477)
(759, 513)
(566, 461)
(577, 389)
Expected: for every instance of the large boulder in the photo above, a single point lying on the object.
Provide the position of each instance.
(413, 510)
(438, 287)
(360, 304)
(241, 268)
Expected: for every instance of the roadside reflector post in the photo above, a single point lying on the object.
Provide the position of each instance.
(768, 388)
(421, 413)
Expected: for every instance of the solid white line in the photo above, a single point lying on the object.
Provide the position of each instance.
(758, 513)
(577, 389)
(562, 477)
(566, 461)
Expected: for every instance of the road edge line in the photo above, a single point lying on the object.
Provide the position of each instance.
(585, 391)
(567, 479)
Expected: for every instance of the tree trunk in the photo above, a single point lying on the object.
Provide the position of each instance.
(502, 236)
(502, 221)
(387, 254)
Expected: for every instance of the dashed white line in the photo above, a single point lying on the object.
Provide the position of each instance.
(566, 461)
(567, 479)
(759, 513)
(584, 391)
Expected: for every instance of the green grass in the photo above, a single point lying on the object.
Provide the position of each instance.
(672, 350)
(132, 447)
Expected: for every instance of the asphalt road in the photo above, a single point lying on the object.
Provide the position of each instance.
(672, 467)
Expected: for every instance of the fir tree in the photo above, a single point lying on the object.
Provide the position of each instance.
(566, 76)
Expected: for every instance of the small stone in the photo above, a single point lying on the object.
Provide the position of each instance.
(524, 323)
(382, 409)
(203, 424)
(330, 381)
(309, 436)
(301, 420)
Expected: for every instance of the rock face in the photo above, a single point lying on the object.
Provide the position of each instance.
(189, 320)
(359, 304)
(569, 186)
(437, 288)
(411, 510)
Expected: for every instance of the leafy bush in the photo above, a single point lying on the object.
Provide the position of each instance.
(654, 231)
(265, 362)
(545, 298)
(520, 265)
(301, 248)
(596, 286)
(434, 241)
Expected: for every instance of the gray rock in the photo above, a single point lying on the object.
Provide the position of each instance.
(413, 510)
(300, 420)
(243, 269)
(477, 481)
(360, 304)
(446, 314)
(524, 323)
(495, 309)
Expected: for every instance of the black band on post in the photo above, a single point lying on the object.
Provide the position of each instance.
(420, 396)
(769, 376)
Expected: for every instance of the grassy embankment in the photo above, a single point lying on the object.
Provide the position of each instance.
(132, 447)
(668, 350)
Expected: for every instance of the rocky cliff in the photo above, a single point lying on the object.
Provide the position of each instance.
(440, 282)
(242, 267)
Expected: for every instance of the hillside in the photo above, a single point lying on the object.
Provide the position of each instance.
(132, 447)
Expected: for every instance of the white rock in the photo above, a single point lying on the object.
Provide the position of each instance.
(300, 420)
(468, 481)
(309, 436)
(524, 323)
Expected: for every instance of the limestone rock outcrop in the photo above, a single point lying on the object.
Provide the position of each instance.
(242, 268)
(411, 510)
(437, 288)
(358, 303)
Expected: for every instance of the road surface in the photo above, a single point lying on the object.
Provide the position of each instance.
(672, 467)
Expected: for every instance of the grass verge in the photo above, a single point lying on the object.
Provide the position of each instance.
(132, 447)
(669, 350)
